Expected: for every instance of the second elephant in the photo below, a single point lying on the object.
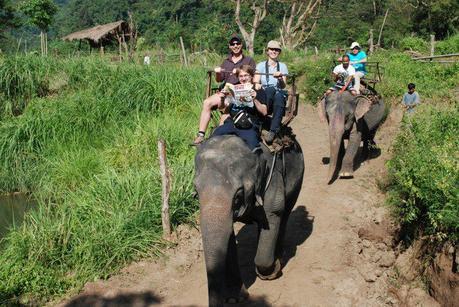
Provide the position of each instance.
(356, 117)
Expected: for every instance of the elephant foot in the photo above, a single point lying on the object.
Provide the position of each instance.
(238, 299)
(346, 175)
(275, 272)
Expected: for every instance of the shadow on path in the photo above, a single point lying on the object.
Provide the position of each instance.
(128, 299)
(299, 228)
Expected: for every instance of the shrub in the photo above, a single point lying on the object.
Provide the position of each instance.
(424, 171)
(414, 43)
(450, 45)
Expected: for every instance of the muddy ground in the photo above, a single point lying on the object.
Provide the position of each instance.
(340, 249)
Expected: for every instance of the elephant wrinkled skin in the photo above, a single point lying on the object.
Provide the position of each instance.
(230, 181)
(356, 117)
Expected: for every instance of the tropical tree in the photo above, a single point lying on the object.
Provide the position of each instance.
(40, 14)
(299, 22)
(7, 19)
(259, 13)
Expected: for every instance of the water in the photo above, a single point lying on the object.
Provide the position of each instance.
(12, 210)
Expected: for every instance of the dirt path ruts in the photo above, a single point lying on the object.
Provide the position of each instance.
(327, 263)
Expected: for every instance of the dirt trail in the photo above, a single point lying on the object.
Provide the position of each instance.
(335, 256)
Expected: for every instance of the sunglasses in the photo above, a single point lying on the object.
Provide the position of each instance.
(275, 49)
(235, 44)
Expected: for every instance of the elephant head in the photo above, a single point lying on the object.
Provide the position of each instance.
(227, 175)
(342, 110)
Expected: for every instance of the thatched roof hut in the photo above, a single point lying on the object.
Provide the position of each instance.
(100, 35)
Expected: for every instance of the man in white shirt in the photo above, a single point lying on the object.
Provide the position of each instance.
(343, 75)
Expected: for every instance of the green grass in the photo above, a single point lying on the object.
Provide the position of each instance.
(87, 152)
(424, 172)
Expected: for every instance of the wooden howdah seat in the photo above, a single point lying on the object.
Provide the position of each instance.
(291, 107)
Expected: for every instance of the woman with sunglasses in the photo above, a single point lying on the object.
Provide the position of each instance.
(272, 75)
(227, 73)
(247, 114)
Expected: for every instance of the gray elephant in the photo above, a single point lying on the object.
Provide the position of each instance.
(355, 117)
(235, 184)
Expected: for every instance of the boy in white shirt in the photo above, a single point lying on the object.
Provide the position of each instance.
(343, 75)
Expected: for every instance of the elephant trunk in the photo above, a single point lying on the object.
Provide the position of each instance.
(217, 231)
(335, 131)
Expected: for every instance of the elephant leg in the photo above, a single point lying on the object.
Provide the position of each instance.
(353, 145)
(280, 240)
(235, 287)
(218, 243)
(290, 201)
(365, 149)
(268, 267)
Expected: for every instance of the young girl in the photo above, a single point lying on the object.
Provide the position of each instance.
(246, 118)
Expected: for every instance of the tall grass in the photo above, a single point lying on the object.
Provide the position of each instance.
(87, 153)
(424, 172)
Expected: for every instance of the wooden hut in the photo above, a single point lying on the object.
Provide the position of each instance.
(101, 35)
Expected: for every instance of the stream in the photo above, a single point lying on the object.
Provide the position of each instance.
(12, 210)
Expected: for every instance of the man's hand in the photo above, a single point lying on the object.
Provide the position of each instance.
(218, 70)
(277, 74)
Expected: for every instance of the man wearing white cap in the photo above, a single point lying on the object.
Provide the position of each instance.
(357, 58)
(273, 78)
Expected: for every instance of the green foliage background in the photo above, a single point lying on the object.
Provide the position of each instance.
(207, 24)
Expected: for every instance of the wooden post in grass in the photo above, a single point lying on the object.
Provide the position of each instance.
(316, 50)
(372, 47)
(432, 45)
(166, 187)
(185, 60)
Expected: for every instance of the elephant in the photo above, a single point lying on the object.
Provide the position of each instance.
(355, 117)
(235, 184)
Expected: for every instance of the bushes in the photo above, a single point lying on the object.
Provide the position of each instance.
(450, 45)
(88, 155)
(424, 171)
(315, 75)
(414, 43)
(431, 79)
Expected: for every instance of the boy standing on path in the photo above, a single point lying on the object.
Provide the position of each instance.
(411, 98)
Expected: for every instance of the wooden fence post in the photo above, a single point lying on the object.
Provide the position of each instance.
(372, 47)
(432, 45)
(184, 52)
(381, 30)
(166, 187)
(316, 50)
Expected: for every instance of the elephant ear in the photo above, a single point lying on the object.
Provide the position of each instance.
(321, 111)
(363, 106)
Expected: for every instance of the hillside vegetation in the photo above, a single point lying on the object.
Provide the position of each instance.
(86, 150)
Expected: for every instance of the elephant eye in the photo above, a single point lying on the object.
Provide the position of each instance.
(238, 199)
